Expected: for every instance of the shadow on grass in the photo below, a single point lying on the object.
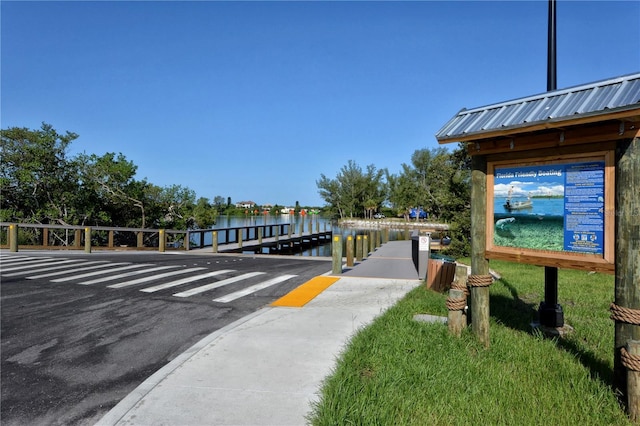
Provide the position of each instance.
(518, 314)
(512, 312)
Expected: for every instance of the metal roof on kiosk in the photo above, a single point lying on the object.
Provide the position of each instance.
(559, 106)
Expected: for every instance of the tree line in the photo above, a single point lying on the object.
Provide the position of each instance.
(40, 183)
(436, 180)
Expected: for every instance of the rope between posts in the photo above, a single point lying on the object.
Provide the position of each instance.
(456, 304)
(628, 315)
(480, 280)
(631, 362)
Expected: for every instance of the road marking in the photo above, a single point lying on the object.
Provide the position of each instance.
(211, 286)
(92, 274)
(53, 274)
(241, 293)
(185, 280)
(24, 261)
(53, 268)
(34, 265)
(154, 277)
(306, 292)
(126, 274)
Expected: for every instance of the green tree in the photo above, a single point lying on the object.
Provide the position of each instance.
(204, 214)
(353, 192)
(111, 177)
(37, 181)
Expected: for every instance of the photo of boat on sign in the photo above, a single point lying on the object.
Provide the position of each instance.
(549, 206)
(510, 205)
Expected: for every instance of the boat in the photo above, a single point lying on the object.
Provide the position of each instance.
(518, 205)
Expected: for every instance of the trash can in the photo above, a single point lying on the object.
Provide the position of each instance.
(440, 272)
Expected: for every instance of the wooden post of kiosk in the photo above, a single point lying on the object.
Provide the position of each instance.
(479, 264)
(627, 290)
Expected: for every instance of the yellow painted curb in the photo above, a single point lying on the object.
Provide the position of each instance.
(302, 295)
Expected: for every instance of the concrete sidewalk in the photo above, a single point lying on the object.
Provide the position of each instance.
(267, 368)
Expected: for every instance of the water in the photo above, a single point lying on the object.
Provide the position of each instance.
(223, 222)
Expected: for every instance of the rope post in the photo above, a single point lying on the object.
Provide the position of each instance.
(87, 240)
(13, 238)
(214, 241)
(336, 254)
(631, 360)
(456, 302)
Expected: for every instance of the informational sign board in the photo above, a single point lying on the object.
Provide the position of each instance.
(558, 209)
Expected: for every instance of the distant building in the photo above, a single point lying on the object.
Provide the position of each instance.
(245, 205)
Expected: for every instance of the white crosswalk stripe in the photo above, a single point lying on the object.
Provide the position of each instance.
(185, 280)
(212, 286)
(53, 268)
(22, 260)
(155, 277)
(36, 265)
(92, 274)
(247, 291)
(53, 274)
(125, 275)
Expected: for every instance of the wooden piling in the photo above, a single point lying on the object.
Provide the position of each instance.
(45, 237)
(162, 241)
(13, 237)
(336, 254)
(140, 242)
(365, 246)
(87, 240)
(349, 250)
(110, 239)
(359, 248)
(214, 241)
(77, 237)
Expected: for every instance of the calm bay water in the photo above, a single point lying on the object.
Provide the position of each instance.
(223, 222)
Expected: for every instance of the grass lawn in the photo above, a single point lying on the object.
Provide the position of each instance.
(398, 371)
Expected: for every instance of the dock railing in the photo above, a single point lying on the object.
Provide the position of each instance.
(76, 237)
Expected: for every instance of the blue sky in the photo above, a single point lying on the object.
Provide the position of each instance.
(254, 100)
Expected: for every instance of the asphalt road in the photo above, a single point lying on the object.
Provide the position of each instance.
(73, 345)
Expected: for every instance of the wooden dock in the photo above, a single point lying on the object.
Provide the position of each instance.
(275, 239)
(278, 245)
